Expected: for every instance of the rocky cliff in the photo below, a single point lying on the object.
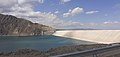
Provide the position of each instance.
(13, 26)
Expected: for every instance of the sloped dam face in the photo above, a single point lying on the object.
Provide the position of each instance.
(98, 36)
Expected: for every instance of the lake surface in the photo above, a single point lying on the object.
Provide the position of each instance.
(42, 43)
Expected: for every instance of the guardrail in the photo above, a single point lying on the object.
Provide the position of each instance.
(92, 52)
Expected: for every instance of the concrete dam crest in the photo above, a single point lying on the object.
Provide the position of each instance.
(98, 36)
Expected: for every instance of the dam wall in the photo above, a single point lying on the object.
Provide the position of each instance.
(97, 36)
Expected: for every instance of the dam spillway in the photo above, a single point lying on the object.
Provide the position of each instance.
(98, 36)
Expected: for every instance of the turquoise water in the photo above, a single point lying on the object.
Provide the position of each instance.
(42, 43)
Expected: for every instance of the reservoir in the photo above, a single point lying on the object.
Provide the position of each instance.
(41, 43)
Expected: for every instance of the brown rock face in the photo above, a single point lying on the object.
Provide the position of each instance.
(13, 26)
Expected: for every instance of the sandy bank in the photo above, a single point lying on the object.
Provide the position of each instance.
(98, 36)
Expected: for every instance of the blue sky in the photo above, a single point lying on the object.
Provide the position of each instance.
(98, 14)
(106, 9)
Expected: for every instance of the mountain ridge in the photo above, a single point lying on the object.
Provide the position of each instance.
(13, 26)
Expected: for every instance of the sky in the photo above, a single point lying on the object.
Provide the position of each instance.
(66, 14)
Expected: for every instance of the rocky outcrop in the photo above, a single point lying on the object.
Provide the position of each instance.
(13, 26)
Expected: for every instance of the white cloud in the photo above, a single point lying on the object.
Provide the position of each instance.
(15, 5)
(109, 25)
(8, 3)
(64, 1)
(30, 1)
(91, 12)
(25, 9)
(73, 12)
(56, 12)
(103, 25)
(5, 3)
(111, 22)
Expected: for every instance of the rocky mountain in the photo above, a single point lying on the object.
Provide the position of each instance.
(13, 26)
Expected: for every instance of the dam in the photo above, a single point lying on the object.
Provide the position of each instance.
(97, 36)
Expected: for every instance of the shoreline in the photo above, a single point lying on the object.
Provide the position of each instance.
(51, 52)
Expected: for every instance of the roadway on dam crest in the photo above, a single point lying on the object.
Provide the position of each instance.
(98, 36)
